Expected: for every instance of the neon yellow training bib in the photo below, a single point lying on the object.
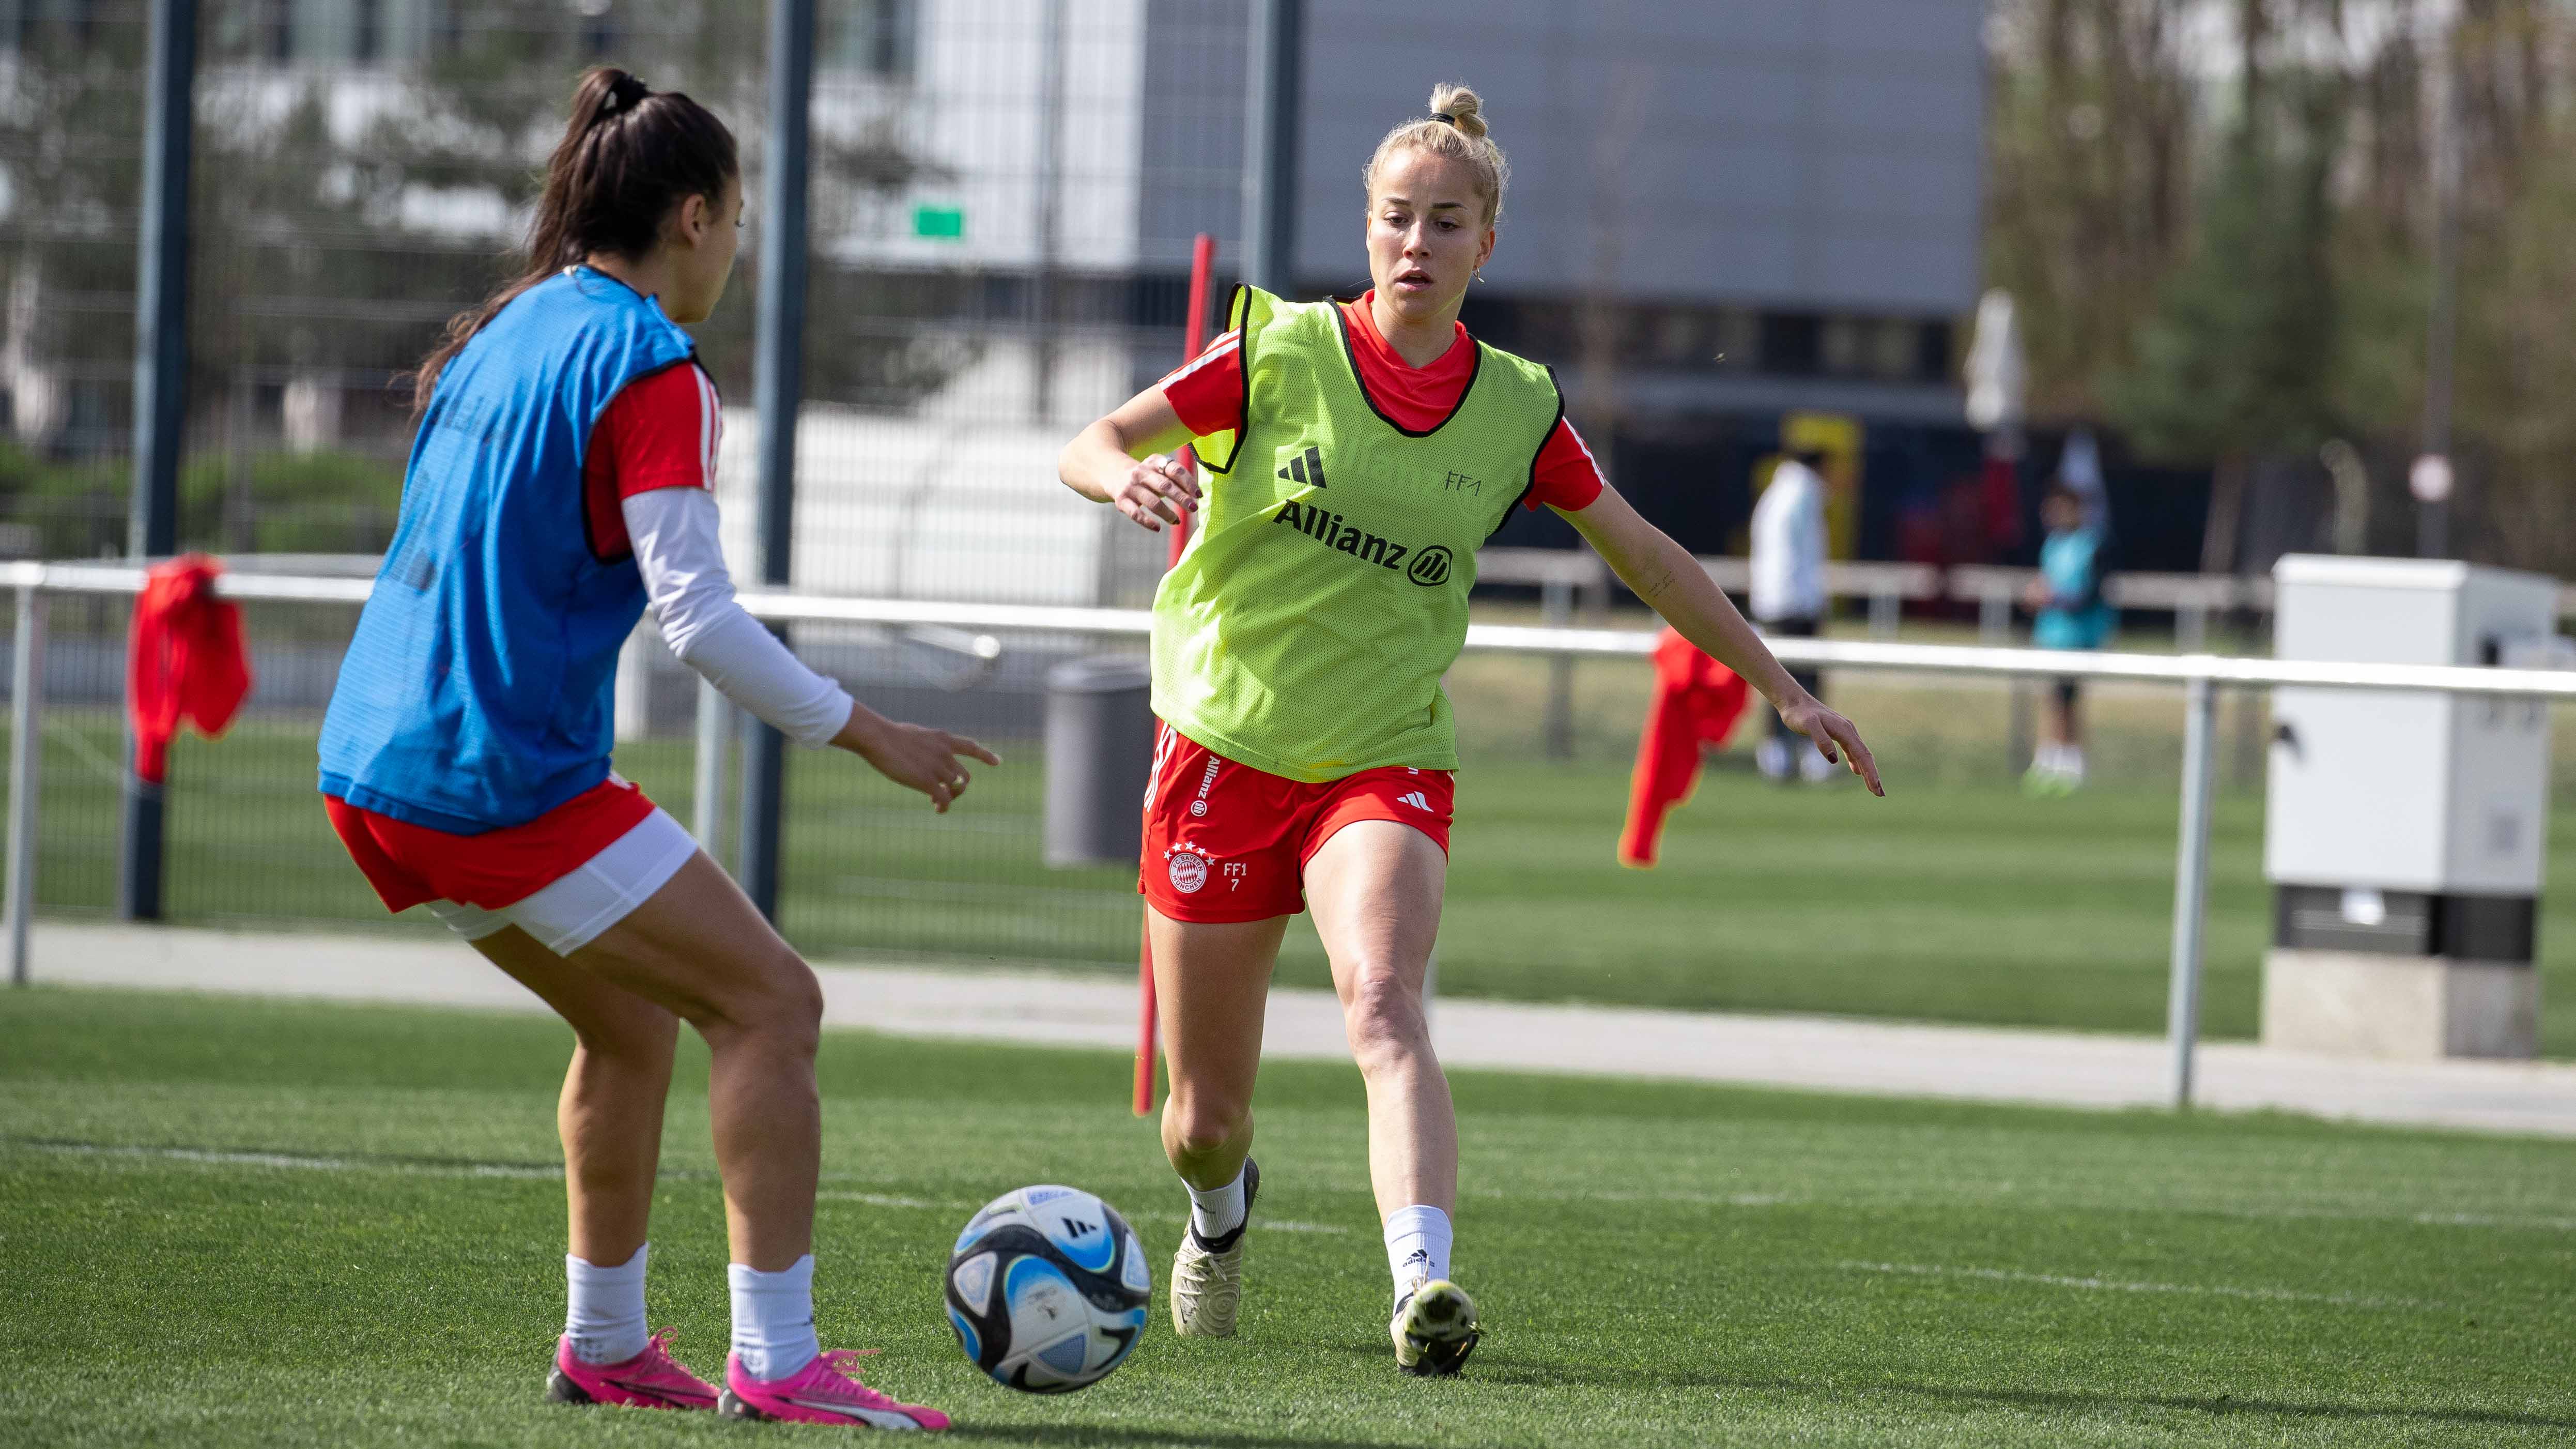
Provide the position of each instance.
(1324, 592)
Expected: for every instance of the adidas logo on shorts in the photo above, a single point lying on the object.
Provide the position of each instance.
(1415, 799)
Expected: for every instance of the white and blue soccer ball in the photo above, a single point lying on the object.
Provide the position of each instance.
(1047, 1289)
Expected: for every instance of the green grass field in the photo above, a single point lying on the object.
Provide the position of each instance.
(1954, 899)
(230, 1222)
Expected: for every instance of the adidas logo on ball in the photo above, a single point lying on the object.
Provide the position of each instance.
(1047, 1289)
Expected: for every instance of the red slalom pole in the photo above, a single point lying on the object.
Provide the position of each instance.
(1202, 263)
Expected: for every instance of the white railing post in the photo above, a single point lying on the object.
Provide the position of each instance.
(2191, 884)
(2191, 625)
(715, 750)
(1994, 614)
(26, 773)
(1883, 608)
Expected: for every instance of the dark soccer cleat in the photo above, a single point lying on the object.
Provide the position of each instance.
(1434, 1329)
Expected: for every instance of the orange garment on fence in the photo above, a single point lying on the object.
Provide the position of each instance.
(184, 660)
(1697, 702)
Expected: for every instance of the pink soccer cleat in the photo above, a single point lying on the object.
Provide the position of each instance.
(650, 1380)
(826, 1391)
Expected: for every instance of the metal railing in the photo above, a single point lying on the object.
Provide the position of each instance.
(974, 627)
(1886, 588)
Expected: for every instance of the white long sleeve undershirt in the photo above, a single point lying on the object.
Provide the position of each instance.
(691, 595)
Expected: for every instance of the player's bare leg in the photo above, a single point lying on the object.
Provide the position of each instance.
(701, 950)
(610, 1119)
(1375, 888)
(610, 1113)
(1211, 985)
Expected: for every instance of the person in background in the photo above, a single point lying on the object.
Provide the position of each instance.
(2072, 614)
(1789, 594)
(2079, 466)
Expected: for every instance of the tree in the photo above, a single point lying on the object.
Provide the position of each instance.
(2091, 140)
(2236, 362)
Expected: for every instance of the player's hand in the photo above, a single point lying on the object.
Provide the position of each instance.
(913, 756)
(1837, 738)
(2035, 595)
(1159, 489)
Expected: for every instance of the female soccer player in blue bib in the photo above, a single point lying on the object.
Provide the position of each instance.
(1363, 452)
(562, 481)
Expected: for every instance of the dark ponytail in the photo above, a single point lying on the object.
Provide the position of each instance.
(629, 156)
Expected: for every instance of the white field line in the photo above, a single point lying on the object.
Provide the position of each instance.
(312, 1162)
(297, 1161)
(2543, 1223)
(2491, 1220)
(876, 1199)
(1282, 1225)
(2113, 1285)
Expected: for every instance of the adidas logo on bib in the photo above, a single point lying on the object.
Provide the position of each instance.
(1306, 468)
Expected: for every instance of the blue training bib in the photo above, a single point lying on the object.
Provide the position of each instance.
(477, 692)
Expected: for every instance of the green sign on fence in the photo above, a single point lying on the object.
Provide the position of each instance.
(940, 223)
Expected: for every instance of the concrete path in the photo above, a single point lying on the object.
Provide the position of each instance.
(1816, 1053)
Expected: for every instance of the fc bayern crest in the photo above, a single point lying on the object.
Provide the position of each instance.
(1189, 871)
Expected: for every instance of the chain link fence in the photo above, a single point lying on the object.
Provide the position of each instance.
(1002, 211)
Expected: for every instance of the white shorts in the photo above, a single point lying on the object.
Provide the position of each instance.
(595, 895)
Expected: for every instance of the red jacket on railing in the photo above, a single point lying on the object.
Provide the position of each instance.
(184, 660)
(1697, 702)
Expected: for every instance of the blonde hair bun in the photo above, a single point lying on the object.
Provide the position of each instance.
(1455, 129)
(1464, 108)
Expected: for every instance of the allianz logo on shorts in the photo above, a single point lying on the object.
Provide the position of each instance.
(1428, 567)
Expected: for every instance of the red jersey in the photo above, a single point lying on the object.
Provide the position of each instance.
(660, 431)
(1208, 394)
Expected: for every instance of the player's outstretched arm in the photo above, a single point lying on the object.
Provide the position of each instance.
(1125, 460)
(677, 552)
(1672, 583)
(916, 757)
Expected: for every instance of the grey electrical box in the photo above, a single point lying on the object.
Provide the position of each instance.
(1099, 756)
(2403, 832)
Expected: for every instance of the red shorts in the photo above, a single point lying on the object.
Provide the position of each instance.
(1227, 842)
(409, 864)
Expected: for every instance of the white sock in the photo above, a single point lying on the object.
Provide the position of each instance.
(1417, 1246)
(604, 1312)
(773, 1318)
(2071, 760)
(1217, 1211)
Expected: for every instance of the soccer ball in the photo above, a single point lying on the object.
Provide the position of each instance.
(1047, 1289)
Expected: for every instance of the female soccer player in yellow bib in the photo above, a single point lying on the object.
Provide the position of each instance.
(1361, 454)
